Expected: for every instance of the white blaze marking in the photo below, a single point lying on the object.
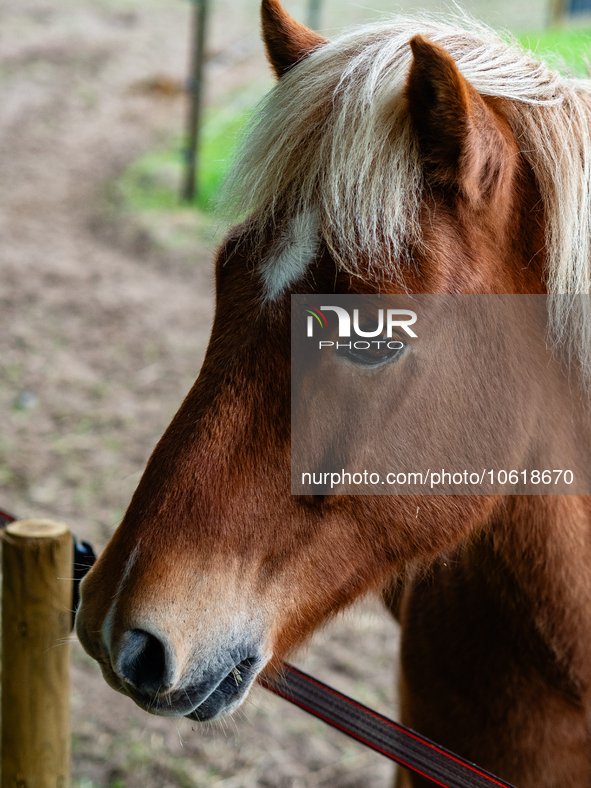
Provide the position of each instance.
(296, 248)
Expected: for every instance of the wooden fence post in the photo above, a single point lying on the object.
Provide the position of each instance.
(36, 619)
(558, 13)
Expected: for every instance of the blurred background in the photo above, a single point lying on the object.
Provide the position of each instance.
(105, 308)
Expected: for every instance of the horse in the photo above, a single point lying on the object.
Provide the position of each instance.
(407, 157)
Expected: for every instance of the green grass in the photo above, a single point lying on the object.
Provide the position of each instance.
(565, 50)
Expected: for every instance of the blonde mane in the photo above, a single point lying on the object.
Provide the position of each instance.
(334, 138)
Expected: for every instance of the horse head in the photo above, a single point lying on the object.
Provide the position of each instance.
(383, 162)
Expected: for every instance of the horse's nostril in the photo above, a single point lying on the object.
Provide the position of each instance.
(142, 661)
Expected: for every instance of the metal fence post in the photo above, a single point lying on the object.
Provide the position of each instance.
(190, 187)
(314, 8)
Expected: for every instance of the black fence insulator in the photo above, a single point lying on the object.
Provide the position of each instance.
(84, 558)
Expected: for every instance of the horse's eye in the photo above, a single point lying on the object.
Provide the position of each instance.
(370, 353)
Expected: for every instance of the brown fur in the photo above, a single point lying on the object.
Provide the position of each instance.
(286, 41)
(496, 598)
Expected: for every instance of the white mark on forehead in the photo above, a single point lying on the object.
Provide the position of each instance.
(293, 252)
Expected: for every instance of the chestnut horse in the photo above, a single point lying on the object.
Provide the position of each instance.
(405, 157)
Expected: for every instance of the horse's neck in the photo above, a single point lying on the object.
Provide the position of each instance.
(541, 546)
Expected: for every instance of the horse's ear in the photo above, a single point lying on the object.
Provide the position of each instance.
(286, 40)
(459, 135)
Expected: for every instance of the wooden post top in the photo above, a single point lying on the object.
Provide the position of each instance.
(35, 529)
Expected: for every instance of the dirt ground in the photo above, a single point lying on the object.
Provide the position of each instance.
(103, 329)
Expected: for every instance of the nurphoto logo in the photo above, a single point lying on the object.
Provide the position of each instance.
(395, 318)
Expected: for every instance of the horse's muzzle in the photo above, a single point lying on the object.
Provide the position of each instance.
(230, 692)
(212, 682)
(145, 668)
